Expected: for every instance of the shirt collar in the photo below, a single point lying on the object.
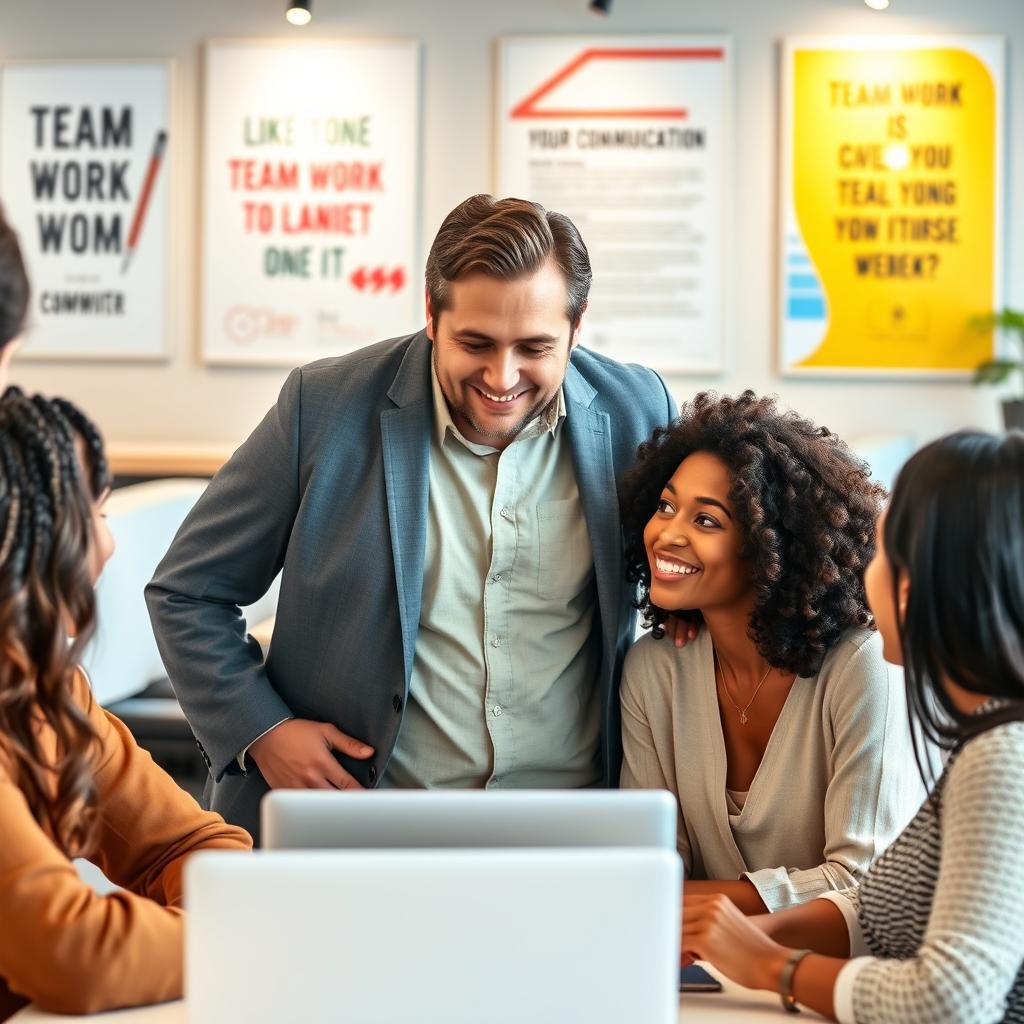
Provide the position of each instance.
(547, 423)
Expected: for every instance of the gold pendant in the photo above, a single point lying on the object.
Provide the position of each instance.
(743, 718)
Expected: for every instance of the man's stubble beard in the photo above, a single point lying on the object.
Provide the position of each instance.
(510, 432)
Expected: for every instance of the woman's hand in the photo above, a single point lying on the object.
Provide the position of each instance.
(716, 931)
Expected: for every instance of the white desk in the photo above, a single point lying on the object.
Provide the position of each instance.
(737, 1005)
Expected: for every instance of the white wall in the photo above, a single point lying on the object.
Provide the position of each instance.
(184, 401)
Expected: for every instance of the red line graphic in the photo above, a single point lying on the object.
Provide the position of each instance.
(527, 109)
(159, 147)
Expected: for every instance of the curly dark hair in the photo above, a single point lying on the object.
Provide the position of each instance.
(806, 506)
(14, 290)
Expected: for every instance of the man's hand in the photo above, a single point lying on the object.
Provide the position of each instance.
(297, 754)
(681, 631)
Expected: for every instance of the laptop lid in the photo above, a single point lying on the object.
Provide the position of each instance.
(457, 937)
(319, 819)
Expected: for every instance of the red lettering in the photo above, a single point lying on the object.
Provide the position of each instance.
(256, 175)
(347, 177)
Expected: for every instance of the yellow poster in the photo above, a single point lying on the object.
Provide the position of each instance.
(891, 204)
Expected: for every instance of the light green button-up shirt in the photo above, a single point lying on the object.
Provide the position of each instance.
(504, 680)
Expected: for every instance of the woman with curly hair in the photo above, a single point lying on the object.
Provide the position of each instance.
(72, 781)
(780, 729)
(936, 929)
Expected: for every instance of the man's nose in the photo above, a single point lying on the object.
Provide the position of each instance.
(501, 374)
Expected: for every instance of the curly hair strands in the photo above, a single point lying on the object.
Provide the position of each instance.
(45, 537)
(806, 507)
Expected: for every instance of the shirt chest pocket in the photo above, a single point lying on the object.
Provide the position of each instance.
(565, 561)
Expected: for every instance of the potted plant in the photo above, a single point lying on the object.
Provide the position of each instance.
(996, 371)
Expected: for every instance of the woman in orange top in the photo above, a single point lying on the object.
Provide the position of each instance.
(73, 783)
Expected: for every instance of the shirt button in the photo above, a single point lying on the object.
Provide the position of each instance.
(496, 641)
(506, 513)
(497, 711)
(497, 578)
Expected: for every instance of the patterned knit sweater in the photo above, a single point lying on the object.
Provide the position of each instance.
(943, 909)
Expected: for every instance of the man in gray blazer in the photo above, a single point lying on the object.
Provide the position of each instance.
(453, 607)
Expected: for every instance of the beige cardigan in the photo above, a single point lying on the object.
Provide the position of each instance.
(836, 785)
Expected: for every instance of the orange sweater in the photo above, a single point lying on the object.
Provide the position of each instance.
(63, 946)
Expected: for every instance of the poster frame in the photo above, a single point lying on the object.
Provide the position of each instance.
(725, 345)
(971, 43)
(166, 349)
(284, 360)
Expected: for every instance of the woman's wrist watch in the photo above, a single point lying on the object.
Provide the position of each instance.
(786, 979)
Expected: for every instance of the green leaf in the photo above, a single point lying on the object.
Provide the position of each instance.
(995, 371)
(1002, 320)
(1010, 321)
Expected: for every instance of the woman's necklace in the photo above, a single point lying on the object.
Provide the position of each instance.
(744, 717)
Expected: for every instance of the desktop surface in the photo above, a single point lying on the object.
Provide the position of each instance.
(736, 1004)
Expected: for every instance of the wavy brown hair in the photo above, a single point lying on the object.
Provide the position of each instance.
(506, 239)
(46, 593)
(806, 507)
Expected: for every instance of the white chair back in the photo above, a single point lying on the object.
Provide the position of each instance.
(122, 658)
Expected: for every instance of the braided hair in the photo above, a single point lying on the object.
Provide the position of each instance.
(46, 593)
(806, 507)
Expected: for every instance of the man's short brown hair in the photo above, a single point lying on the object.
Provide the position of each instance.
(506, 239)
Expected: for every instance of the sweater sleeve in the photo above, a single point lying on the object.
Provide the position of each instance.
(846, 902)
(71, 950)
(641, 763)
(972, 948)
(873, 786)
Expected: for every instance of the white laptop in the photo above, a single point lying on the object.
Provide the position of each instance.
(549, 936)
(320, 819)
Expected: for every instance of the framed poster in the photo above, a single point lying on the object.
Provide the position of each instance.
(629, 136)
(310, 206)
(84, 178)
(891, 204)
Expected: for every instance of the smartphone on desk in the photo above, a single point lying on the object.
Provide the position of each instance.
(695, 979)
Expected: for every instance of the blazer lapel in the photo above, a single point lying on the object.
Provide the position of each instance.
(591, 445)
(405, 439)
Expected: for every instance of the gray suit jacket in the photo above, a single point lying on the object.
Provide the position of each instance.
(332, 488)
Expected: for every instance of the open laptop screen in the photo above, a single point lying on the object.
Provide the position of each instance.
(411, 819)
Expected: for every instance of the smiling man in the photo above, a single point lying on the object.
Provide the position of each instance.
(495, 384)
(453, 608)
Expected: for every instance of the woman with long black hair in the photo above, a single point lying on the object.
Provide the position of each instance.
(936, 929)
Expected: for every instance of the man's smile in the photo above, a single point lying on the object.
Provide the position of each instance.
(501, 403)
